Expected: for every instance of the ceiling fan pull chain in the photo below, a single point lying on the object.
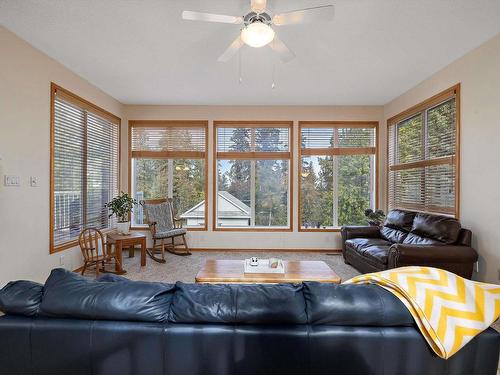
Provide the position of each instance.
(240, 78)
(273, 85)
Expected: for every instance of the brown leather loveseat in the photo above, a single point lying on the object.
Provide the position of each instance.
(410, 238)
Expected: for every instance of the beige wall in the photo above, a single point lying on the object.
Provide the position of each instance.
(253, 240)
(479, 74)
(25, 76)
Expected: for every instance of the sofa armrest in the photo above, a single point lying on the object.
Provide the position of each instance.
(349, 232)
(403, 255)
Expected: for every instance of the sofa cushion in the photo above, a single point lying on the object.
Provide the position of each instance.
(232, 303)
(21, 298)
(393, 235)
(415, 239)
(378, 253)
(360, 244)
(354, 305)
(441, 228)
(67, 294)
(399, 219)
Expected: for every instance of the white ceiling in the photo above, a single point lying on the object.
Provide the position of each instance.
(141, 52)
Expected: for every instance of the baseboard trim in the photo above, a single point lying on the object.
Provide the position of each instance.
(285, 250)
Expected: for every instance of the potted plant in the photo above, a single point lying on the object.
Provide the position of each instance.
(375, 218)
(121, 206)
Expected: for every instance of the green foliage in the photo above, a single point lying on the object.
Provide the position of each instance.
(189, 181)
(121, 206)
(271, 176)
(340, 190)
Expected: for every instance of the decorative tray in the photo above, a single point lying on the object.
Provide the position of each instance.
(263, 267)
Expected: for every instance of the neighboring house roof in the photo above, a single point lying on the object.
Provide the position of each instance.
(233, 208)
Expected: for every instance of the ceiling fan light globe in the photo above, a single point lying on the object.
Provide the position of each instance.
(257, 34)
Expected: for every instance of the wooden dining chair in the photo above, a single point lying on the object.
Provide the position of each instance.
(94, 250)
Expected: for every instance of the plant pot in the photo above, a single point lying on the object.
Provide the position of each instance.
(123, 227)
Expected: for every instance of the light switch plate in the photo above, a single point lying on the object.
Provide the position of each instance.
(33, 181)
(10, 180)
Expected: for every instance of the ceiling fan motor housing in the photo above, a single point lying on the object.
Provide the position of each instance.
(257, 17)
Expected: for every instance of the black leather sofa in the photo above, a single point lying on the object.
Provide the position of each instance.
(75, 326)
(410, 238)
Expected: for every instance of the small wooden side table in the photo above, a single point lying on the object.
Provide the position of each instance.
(126, 240)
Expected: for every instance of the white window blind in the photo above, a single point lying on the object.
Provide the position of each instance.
(253, 139)
(422, 157)
(168, 138)
(317, 138)
(85, 160)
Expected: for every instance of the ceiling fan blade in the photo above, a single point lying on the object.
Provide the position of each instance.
(231, 50)
(258, 6)
(316, 14)
(285, 54)
(210, 17)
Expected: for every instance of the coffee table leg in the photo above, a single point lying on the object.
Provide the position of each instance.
(143, 252)
(131, 251)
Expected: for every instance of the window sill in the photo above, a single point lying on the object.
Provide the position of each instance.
(200, 229)
(319, 229)
(252, 229)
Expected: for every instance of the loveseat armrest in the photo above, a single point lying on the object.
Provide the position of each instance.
(352, 231)
(457, 259)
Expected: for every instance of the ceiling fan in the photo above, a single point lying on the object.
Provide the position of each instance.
(257, 26)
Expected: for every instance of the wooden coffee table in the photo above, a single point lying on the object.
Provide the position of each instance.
(232, 271)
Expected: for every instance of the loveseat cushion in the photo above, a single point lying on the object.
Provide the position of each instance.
(393, 235)
(21, 298)
(354, 305)
(415, 239)
(440, 228)
(233, 303)
(67, 294)
(400, 219)
(361, 244)
(377, 253)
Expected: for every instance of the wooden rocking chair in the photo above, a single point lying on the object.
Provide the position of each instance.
(163, 226)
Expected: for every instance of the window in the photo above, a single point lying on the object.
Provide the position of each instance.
(168, 160)
(84, 167)
(337, 179)
(252, 184)
(422, 156)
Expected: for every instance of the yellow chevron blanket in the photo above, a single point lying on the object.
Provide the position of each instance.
(448, 309)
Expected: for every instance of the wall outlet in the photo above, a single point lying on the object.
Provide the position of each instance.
(33, 181)
(10, 180)
(61, 260)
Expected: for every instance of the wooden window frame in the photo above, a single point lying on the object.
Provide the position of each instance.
(443, 96)
(90, 107)
(336, 151)
(271, 155)
(170, 155)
